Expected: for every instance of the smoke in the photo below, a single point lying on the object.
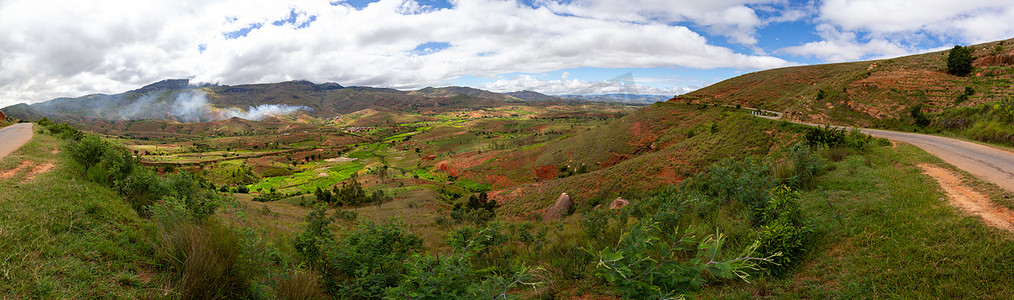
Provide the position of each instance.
(194, 107)
(187, 107)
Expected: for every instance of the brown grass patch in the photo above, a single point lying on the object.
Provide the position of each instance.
(9, 173)
(38, 169)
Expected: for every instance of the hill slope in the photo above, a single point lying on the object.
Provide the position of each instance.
(864, 93)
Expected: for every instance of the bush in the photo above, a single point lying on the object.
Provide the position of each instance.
(202, 260)
(427, 277)
(745, 181)
(652, 263)
(64, 131)
(477, 210)
(959, 60)
(363, 262)
(783, 232)
(806, 166)
(242, 189)
(920, 118)
(89, 151)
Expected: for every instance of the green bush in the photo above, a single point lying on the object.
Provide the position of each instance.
(89, 151)
(201, 260)
(807, 165)
(362, 263)
(959, 60)
(428, 277)
(477, 210)
(745, 181)
(650, 262)
(783, 233)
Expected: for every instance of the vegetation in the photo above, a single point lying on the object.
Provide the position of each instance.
(959, 60)
(721, 204)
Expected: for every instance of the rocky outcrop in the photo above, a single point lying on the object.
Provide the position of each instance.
(560, 208)
(619, 203)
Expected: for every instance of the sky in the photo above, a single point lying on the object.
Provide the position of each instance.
(57, 48)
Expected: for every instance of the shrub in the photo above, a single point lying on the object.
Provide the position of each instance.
(200, 259)
(744, 181)
(315, 234)
(959, 60)
(427, 277)
(477, 210)
(89, 151)
(242, 189)
(366, 261)
(806, 166)
(651, 263)
(783, 232)
(920, 118)
(64, 131)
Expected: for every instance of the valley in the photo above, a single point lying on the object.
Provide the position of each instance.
(297, 190)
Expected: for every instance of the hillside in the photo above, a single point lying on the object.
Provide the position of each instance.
(869, 92)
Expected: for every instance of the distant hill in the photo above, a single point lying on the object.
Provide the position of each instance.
(460, 90)
(532, 96)
(22, 111)
(179, 100)
(868, 92)
(621, 98)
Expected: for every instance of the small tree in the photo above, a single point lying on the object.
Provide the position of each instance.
(959, 61)
(920, 118)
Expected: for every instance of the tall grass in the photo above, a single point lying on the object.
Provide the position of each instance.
(298, 285)
(201, 260)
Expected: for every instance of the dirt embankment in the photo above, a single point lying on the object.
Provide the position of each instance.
(970, 201)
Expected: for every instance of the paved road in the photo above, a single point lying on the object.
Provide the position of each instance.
(990, 164)
(12, 137)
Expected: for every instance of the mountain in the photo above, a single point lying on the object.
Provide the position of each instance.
(532, 96)
(179, 100)
(869, 92)
(460, 90)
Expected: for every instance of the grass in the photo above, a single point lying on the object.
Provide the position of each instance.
(64, 237)
(882, 232)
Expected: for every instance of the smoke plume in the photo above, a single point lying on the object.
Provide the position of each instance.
(194, 107)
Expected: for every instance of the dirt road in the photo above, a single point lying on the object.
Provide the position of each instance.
(12, 137)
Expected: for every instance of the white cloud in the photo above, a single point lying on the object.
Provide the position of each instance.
(969, 20)
(863, 29)
(731, 18)
(69, 48)
(838, 46)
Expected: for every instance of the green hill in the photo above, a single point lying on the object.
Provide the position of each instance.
(869, 92)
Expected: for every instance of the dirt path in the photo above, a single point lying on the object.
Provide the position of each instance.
(12, 137)
(970, 201)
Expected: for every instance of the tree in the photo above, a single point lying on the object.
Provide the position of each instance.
(920, 119)
(959, 61)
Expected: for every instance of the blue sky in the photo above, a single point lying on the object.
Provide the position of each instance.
(66, 48)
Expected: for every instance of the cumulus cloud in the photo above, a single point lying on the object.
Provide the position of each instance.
(861, 29)
(734, 19)
(838, 46)
(969, 20)
(69, 48)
